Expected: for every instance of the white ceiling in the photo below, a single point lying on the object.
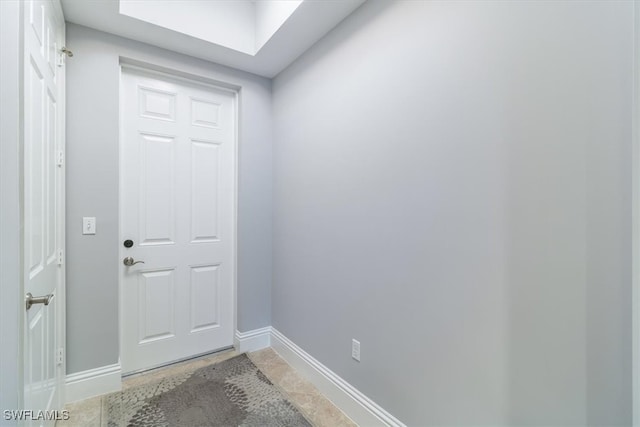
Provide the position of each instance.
(262, 37)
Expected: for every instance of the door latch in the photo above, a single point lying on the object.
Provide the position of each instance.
(129, 261)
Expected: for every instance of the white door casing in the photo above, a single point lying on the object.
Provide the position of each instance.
(177, 204)
(43, 210)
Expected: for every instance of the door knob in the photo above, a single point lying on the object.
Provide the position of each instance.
(128, 261)
(30, 300)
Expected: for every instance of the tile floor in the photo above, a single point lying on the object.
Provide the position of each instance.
(304, 395)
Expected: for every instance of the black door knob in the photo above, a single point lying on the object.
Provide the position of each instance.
(128, 243)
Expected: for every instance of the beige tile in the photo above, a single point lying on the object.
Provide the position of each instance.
(292, 382)
(274, 372)
(308, 403)
(269, 362)
(86, 413)
(320, 411)
(327, 415)
(305, 396)
(265, 357)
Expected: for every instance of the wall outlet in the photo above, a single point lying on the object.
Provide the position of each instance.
(355, 349)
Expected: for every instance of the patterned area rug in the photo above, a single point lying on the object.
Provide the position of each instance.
(233, 392)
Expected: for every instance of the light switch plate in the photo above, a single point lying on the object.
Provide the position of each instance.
(355, 349)
(89, 225)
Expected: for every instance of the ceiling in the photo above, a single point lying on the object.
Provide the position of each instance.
(259, 36)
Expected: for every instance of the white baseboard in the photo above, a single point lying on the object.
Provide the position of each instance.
(94, 382)
(362, 410)
(256, 339)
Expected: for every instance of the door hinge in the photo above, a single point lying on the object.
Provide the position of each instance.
(60, 356)
(60, 158)
(60, 257)
(63, 52)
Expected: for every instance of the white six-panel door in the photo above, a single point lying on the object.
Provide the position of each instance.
(43, 204)
(177, 184)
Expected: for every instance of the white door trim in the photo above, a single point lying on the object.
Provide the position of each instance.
(635, 227)
(157, 70)
(11, 287)
(56, 62)
(62, 288)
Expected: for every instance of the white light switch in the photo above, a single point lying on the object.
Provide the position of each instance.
(89, 225)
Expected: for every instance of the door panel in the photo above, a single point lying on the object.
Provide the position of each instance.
(34, 150)
(43, 204)
(204, 291)
(156, 193)
(205, 167)
(156, 305)
(178, 206)
(52, 171)
(157, 104)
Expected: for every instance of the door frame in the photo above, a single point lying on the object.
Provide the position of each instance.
(60, 289)
(180, 76)
(12, 291)
(635, 222)
(11, 170)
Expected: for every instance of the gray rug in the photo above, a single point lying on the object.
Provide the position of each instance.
(233, 392)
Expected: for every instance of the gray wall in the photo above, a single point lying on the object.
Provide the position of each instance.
(11, 299)
(92, 190)
(452, 188)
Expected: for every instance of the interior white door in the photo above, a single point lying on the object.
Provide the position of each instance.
(43, 205)
(177, 184)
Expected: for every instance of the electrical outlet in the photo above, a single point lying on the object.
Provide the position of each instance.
(355, 349)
